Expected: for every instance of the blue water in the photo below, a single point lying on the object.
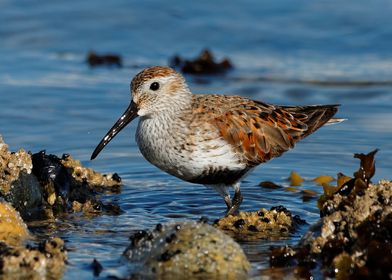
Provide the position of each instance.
(285, 52)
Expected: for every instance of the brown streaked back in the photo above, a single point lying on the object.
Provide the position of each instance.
(259, 131)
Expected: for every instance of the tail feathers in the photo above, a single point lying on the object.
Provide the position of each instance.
(314, 116)
(335, 121)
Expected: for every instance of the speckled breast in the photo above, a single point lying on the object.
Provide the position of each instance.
(187, 154)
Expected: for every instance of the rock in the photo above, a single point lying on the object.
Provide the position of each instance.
(67, 185)
(94, 60)
(26, 196)
(12, 228)
(204, 64)
(95, 179)
(359, 224)
(263, 224)
(282, 256)
(46, 261)
(17, 183)
(41, 186)
(11, 164)
(52, 175)
(187, 249)
(354, 238)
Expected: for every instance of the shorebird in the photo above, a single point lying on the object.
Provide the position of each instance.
(211, 139)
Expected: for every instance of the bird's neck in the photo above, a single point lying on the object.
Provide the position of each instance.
(174, 106)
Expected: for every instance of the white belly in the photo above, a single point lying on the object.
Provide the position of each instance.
(168, 149)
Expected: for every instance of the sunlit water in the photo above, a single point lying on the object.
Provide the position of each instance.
(294, 52)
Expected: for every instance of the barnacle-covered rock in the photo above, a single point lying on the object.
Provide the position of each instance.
(45, 261)
(187, 249)
(43, 185)
(94, 179)
(11, 165)
(354, 238)
(17, 183)
(275, 223)
(68, 186)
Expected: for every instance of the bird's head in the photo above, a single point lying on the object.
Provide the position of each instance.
(155, 91)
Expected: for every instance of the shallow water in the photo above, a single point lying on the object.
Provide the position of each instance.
(288, 53)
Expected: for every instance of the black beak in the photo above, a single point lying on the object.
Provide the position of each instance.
(125, 119)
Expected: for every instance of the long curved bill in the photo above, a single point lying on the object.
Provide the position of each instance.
(126, 118)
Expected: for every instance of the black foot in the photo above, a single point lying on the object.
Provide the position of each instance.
(235, 203)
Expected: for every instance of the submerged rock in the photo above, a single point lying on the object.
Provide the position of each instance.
(94, 60)
(187, 249)
(204, 64)
(276, 223)
(46, 261)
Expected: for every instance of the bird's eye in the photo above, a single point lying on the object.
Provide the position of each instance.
(154, 86)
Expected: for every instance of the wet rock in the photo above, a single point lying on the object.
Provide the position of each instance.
(68, 186)
(204, 64)
(12, 228)
(359, 224)
(187, 249)
(354, 238)
(93, 207)
(47, 260)
(17, 183)
(26, 196)
(94, 179)
(282, 256)
(40, 186)
(11, 164)
(276, 223)
(95, 60)
(53, 176)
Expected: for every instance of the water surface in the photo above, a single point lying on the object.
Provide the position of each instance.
(286, 53)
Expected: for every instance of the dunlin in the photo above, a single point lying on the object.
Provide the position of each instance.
(211, 139)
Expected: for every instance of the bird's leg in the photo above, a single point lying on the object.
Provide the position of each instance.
(228, 201)
(236, 202)
(222, 189)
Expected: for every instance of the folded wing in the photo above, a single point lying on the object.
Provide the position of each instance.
(261, 131)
